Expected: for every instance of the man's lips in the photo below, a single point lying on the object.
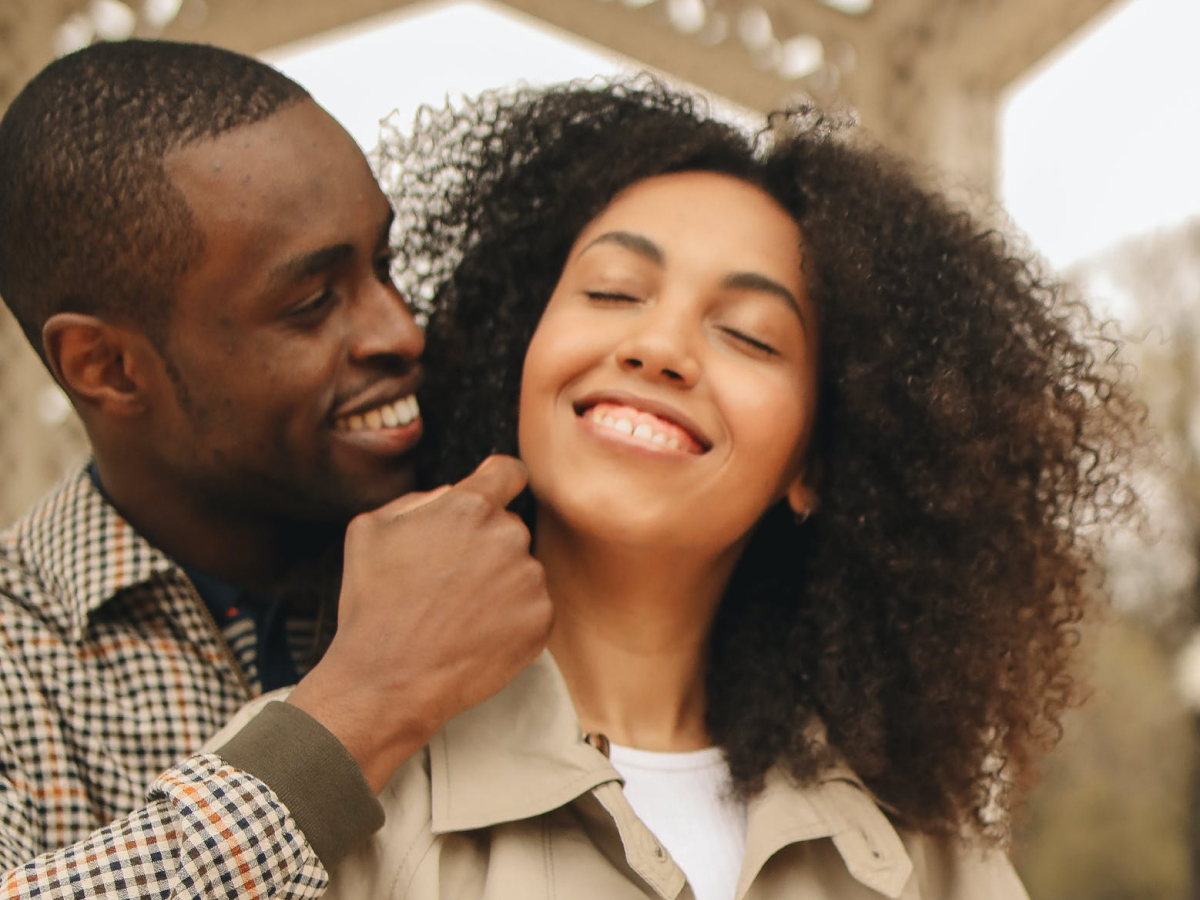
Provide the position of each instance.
(392, 414)
(386, 430)
(641, 425)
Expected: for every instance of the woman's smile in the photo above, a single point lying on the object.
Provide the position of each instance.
(634, 422)
(669, 390)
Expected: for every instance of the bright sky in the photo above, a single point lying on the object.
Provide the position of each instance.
(425, 52)
(1104, 140)
(1101, 143)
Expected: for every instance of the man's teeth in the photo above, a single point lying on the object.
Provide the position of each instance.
(391, 415)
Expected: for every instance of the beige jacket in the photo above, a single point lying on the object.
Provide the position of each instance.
(509, 803)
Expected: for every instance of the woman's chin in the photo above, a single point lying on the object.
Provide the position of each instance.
(639, 532)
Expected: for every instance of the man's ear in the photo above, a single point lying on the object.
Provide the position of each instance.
(96, 362)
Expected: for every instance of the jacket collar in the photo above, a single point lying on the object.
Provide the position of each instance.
(84, 552)
(521, 754)
(837, 807)
(515, 756)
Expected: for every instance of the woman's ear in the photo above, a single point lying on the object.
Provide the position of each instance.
(801, 494)
(802, 498)
(93, 361)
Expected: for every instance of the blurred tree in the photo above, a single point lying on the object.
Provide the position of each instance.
(1117, 816)
(1110, 818)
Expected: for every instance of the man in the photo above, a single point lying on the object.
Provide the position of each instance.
(200, 254)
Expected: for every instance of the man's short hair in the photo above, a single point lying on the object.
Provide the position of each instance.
(90, 221)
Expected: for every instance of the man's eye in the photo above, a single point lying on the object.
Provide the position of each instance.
(383, 267)
(750, 341)
(313, 304)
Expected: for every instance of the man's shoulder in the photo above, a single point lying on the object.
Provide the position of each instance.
(27, 558)
(69, 554)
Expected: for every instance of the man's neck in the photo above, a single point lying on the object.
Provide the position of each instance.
(256, 553)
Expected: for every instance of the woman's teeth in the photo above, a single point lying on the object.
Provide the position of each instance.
(396, 414)
(642, 431)
(642, 426)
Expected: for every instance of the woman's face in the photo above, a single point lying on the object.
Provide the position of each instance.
(669, 391)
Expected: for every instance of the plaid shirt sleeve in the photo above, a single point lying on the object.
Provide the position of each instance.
(208, 830)
(112, 671)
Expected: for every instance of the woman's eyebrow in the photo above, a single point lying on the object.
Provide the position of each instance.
(753, 281)
(639, 244)
(749, 281)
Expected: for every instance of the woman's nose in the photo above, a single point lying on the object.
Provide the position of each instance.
(660, 350)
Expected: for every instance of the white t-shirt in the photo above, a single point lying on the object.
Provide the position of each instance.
(685, 800)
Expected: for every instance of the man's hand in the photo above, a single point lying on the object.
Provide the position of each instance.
(441, 606)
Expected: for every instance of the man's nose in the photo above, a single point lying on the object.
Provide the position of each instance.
(384, 325)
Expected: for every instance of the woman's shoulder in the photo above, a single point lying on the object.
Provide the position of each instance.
(949, 868)
(383, 865)
(878, 849)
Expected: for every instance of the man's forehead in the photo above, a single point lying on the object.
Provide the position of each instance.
(298, 138)
(279, 195)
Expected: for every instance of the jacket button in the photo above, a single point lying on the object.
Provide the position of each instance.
(659, 852)
(598, 741)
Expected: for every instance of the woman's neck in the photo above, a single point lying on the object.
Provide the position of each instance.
(631, 634)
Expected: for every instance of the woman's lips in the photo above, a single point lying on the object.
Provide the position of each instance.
(638, 425)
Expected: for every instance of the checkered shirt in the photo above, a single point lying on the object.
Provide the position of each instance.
(113, 673)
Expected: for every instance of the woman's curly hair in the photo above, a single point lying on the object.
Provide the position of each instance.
(971, 434)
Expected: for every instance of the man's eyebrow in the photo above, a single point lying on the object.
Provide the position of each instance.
(753, 281)
(306, 265)
(637, 243)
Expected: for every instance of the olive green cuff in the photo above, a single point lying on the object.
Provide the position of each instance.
(312, 773)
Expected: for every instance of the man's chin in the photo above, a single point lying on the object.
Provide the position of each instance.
(366, 494)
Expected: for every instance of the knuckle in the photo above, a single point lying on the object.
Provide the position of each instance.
(512, 534)
(515, 544)
(517, 525)
(505, 467)
(536, 576)
(360, 526)
(472, 506)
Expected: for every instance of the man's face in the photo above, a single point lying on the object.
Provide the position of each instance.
(293, 356)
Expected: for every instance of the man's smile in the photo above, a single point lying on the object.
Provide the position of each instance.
(393, 414)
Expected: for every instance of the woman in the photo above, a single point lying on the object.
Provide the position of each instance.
(811, 454)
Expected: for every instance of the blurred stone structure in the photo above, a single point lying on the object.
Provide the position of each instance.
(925, 76)
(41, 437)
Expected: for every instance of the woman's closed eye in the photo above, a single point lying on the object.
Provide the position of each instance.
(750, 340)
(612, 296)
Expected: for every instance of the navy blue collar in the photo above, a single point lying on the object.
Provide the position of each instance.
(228, 604)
